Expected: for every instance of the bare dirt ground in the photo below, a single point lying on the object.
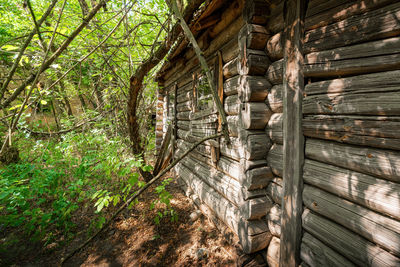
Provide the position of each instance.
(133, 239)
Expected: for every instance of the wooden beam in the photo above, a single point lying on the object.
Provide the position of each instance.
(293, 139)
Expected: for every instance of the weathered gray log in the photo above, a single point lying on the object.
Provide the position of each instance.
(186, 96)
(233, 149)
(373, 193)
(331, 11)
(187, 87)
(274, 47)
(256, 146)
(230, 167)
(274, 220)
(256, 36)
(233, 125)
(274, 128)
(254, 12)
(381, 132)
(253, 88)
(275, 98)
(246, 164)
(273, 252)
(367, 83)
(202, 113)
(345, 242)
(274, 190)
(209, 119)
(371, 225)
(257, 178)
(184, 116)
(203, 131)
(205, 125)
(184, 106)
(253, 62)
(275, 159)
(255, 209)
(373, 161)
(231, 85)
(347, 27)
(222, 183)
(315, 253)
(372, 25)
(253, 235)
(231, 68)
(362, 58)
(254, 115)
(275, 72)
(232, 105)
(250, 194)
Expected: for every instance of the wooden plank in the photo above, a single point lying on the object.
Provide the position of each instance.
(362, 58)
(293, 139)
(315, 253)
(345, 242)
(253, 88)
(372, 226)
(377, 162)
(220, 85)
(381, 132)
(376, 194)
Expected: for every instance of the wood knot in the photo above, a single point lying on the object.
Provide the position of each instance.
(315, 204)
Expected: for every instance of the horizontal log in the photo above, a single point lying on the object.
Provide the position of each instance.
(372, 161)
(341, 30)
(233, 149)
(275, 159)
(381, 132)
(253, 235)
(184, 125)
(233, 125)
(315, 253)
(256, 146)
(231, 85)
(275, 98)
(274, 128)
(246, 164)
(256, 36)
(367, 83)
(232, 105)
(275, 21)
(253, 88)
(275, 191)
(273, 252)
(369, 224)
(222, 183)
(257, 178)
(345, 242)
(362, 58)
(184, 116)
(231, 68)
(372, 25)
(254, 115)
(209, 119)
(255, 209)
(254, 12)
(253, 62)
(274, 220)
(202, 113)
(230, 167)
(186, 96)
(275, 72)
(184, 106)
(250, 194)
(376, 194)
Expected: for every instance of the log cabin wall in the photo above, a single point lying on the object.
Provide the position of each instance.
(351, 111)
(351, 121)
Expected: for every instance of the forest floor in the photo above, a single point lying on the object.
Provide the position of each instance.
(134, 239)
